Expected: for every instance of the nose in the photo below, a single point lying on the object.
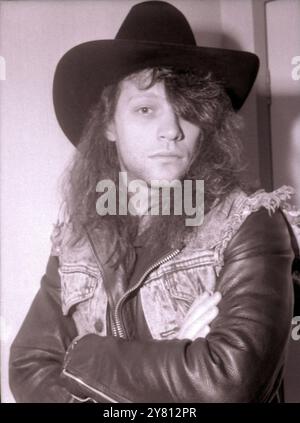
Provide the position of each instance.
(169, 127)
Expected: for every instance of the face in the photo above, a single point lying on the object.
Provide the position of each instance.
(152, 142)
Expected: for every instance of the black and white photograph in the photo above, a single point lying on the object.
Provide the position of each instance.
(150, 202)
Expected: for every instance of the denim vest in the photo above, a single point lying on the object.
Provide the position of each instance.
(169, 286)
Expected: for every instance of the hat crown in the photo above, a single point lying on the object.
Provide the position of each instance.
(156, 21)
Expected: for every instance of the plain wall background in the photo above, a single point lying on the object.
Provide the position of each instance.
(34, 151)
(283, 24)
(283, 31)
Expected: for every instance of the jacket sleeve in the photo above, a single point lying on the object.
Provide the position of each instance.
(37, 353)
(240, 360)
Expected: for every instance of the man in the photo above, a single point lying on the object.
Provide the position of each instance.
(143, 308)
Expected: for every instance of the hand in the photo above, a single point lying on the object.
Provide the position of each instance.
(202, 312)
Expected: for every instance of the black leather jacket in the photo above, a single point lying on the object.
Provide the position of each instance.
(241, 360)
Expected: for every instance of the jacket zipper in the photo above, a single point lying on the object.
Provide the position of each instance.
(117, 328)
(114, 328)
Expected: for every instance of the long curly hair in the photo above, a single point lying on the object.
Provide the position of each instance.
(197, 98)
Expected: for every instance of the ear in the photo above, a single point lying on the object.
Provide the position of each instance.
(110, 132)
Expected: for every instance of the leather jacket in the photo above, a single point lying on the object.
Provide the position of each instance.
(88, 337)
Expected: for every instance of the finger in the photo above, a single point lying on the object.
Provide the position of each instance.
(202, 300)
(193, 328)
(202, 333)
(201, 308)
(198, 324)
(198, 301)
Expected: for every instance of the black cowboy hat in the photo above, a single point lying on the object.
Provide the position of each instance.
(154, 33)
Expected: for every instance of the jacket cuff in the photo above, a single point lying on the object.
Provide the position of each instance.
(83, 386)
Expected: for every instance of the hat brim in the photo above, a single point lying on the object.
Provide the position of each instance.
(84, 70)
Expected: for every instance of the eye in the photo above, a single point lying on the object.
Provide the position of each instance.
(145, 110)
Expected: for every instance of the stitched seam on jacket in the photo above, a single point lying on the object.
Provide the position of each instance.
(159, 273)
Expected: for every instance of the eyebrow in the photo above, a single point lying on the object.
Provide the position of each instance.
(146, 95)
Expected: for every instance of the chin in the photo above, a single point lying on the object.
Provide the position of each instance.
(163, 176)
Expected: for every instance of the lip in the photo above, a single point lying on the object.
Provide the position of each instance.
(165, 154)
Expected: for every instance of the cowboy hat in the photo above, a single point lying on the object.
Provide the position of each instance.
(154, 33)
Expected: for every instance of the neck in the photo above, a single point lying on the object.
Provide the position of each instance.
(140, 198)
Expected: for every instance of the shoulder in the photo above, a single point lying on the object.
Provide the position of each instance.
(226, 218)
(259, 229)
(260, 233)
(260, 217)
(254, 221)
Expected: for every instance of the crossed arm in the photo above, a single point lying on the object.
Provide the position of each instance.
(239, 360)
